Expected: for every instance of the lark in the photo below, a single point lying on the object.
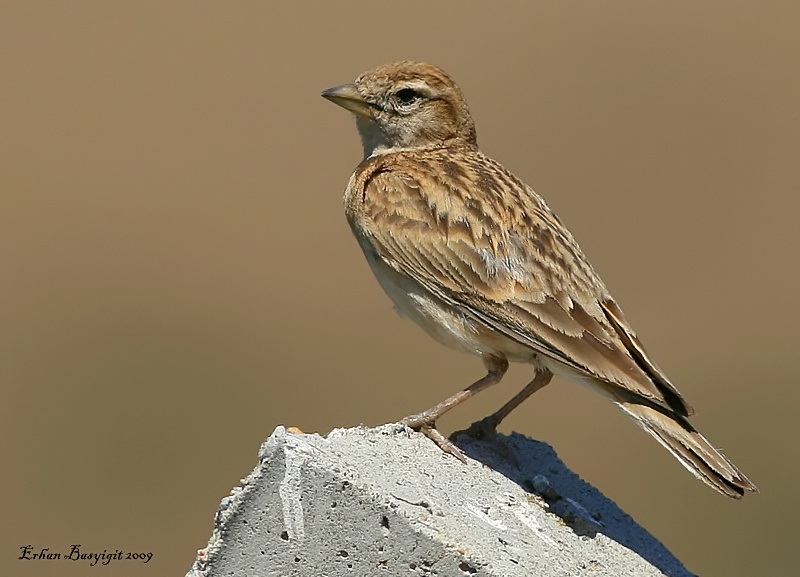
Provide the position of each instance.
(477, 259)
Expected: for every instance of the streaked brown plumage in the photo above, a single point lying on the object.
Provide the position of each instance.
(477, 259)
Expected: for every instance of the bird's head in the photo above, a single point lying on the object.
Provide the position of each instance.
(406, 105)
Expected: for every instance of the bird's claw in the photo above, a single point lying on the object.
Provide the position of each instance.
(428, 428)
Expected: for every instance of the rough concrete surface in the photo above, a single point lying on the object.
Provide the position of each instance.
(386, 501)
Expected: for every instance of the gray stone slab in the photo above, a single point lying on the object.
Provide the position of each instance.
(386, 501)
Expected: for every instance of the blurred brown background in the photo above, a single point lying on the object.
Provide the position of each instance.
(178, 277)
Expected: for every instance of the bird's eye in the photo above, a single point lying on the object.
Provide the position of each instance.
(407, 96)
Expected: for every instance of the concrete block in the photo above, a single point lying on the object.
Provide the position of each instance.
(387, 501)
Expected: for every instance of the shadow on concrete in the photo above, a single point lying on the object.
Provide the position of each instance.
(536, 468)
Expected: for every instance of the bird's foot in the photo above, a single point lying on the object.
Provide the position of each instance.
(427, 427)
(486, 429)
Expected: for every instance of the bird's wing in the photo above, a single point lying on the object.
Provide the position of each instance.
(480, 240)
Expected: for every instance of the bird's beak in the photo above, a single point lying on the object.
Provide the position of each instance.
(348, 97)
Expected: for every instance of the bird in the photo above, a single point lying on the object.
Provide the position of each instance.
(477, 259)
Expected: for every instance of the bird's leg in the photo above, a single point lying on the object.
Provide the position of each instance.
(425, 422)
(487, 427)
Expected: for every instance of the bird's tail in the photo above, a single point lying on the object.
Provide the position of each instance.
(690, 448)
